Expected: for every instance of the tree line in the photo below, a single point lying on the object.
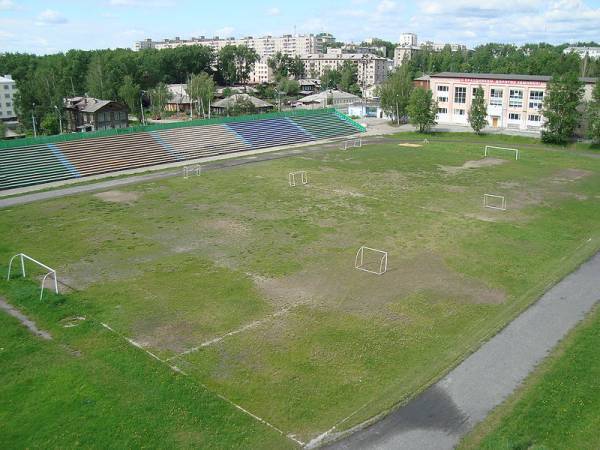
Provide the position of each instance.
(121, 74)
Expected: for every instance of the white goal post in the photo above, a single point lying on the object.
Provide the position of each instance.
(352, 143)
(303, 178)
(23, 257)
(488, 148)
(191, 170)
(359, 261)
(495, 199)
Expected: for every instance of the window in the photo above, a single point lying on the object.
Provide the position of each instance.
(515, 99)
(475, 90)
(442, 110)
(514, 116)
(535, 99)
(442, 88)
(460, 95)
(9, 113)
(6, 95)
(496, 97)
(8, 104)
(442, 98)
(534, 118)
(459, 112)
(6, 87)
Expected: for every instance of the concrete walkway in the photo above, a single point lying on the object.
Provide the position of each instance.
(441, 415)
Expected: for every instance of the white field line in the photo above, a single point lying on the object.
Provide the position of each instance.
(246, 327)
(178, 370)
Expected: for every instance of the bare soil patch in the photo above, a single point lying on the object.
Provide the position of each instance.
(410, 145)
(229, 226)
(568, 175)
(474, 164)
(118, 196)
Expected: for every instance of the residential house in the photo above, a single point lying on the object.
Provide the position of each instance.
(92, 114)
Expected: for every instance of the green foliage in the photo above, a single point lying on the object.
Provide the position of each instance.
(297, 68)
(2, 130)
(376, 42)
(265, 91)
(201, 89)
(235, 62)
(562, 98)
(422, 109)
(280, 65)
(349, 78)
(241, 107)
(395, 92)
(288, 87)
(478, 111)
(129, 93)
(593, 115)
(330, 79)
(159, 97)
(49, 124)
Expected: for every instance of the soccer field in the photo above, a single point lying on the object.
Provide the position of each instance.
(248, 285)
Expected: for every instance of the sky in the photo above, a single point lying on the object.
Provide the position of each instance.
(43, 27)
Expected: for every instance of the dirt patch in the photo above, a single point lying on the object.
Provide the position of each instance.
(348, 193)
(118, 196)
(474, 164)
(410, 145)
(342, 287)
(71, 322)
(568, 175)
(176, 336)
(229, 226)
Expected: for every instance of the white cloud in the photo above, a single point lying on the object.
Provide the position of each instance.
(6, 5)
(225, 32)
(51, 17)
(273, 12)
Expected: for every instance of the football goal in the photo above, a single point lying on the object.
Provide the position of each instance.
(50, 271)
(351, 143)
(371, 260)
(297, 177)
(490, 148)
(494, 202)
(189, 171)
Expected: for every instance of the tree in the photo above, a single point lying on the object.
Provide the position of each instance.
(422, 109)
(280, 64)
(290, 87)
(349, 78)
(129, 93)
(330, 79)
(297, 68)
(159, 97)
(395, 92)
(226, 65)
(2, 130)
(201, 89)
(563, 96)
(241, 106)
(478, 111)
(593, 115)
(49, 124)
(235, 63)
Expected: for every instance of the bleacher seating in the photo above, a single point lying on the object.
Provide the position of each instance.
(66, 159)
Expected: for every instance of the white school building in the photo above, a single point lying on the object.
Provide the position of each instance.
(514, 101)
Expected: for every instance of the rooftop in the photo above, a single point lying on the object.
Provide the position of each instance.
(329, 94)
(229, 101)
(502, 76)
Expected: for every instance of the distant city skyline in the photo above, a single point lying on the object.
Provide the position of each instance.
(39, 27)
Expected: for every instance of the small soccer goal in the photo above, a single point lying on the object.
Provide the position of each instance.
(189, 171)
(23, 257)
(491, 149)
(371, 260)
(298, 177)
(351, 143)
(494, 202)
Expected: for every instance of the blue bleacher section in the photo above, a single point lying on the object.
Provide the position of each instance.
(270, 133)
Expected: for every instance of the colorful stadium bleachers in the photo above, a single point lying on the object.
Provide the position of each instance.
(69, 156)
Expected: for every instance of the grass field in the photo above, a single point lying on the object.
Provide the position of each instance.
(559, 404)
(249, 286)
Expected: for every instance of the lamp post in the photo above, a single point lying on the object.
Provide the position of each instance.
(59, 119)
(142, 107)
(33, 119)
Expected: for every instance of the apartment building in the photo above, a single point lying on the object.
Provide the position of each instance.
(408, 46)
(514, 101)
(590, 52)
(8, 89)
(372, 69)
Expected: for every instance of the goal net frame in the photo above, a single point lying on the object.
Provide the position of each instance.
(191, 170)
(360, 257)
(22, 257)
(486, 203)
(352, 143)
(292, 177)
(491, 147)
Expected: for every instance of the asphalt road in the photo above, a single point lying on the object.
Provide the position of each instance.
(441, 415)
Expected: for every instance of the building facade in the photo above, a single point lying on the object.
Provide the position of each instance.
(8, 89)
(408, 46)
(513, 101)
(92, 114)
(590, 52)
(372, 69)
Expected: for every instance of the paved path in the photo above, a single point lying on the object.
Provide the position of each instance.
(441, 415)
(11, 310)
